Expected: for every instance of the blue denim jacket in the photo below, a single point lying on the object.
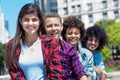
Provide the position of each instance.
(86, 58)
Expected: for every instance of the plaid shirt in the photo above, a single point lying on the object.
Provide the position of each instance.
(51, 60)
(58, 64)
(70, 62)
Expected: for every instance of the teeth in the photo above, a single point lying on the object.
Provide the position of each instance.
(53, 33)
(30, 29)
(92, 46)
(73, 40)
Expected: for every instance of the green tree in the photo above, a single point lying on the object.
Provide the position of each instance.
(106, 52)
(105, 23)
(113, 33)
(2, 51)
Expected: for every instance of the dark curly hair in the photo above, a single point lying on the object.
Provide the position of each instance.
(72, 22)
(97, 32)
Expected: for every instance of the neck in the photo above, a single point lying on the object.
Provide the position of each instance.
(29, 40)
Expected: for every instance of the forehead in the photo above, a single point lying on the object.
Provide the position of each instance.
(72, 29)
(52, 19)
(30, 15)
(93, 38)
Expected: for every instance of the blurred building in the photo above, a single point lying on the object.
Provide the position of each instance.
(89, 11)
(4, 34)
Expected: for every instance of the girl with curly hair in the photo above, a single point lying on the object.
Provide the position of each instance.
(95, 40)
(73, 31)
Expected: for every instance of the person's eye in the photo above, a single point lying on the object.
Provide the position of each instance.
(89, 39)
(56, 25)
(76, 33)
(48, 26)
(25, 20)
(69, 33)
(34, 20)
(96, 40)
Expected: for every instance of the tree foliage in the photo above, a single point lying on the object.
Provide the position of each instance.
(2, 51)
(105, 23)
(113, 33)
(106, 52)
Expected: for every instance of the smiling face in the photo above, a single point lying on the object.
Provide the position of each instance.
(53, 27)
(92, 43)
(73, 35)
(30, 24)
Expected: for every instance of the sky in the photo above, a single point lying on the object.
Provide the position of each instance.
(11, 9)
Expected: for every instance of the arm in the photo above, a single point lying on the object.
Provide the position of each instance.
(89, 66)
(52, 59)
(87, 60)
(55, 63)
(100, 68)
(16, 75)
(102, 76)
(89, 77)
(76, 65)
(84, 78)
(13, 69)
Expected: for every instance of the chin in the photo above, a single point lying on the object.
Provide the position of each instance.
(91, 49)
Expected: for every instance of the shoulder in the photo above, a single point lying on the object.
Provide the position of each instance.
(50, 39)
(66, 44)
(86, 51)
(68, 48)
(9, 42)
(46, 37)
(98, 53)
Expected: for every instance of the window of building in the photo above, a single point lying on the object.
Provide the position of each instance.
(53, 10)
(116, 14)
(53, 4)
(89, 6)
(105, 16)
(72, 0)
(90, 17)
(78, 8)
(104, 3)
(79, 16)
(65, 11)
(73, 9)
(64, 1)
(116, 3)
(75, 0)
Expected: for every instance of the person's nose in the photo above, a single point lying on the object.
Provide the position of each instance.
(73, 35)
(53, 27)
(93, 41)
(30, 22)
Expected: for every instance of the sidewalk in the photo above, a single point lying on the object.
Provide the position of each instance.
(113, 76)
(5, 77)
(110, 76)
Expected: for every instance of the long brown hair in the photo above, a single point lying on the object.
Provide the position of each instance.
(10, 55)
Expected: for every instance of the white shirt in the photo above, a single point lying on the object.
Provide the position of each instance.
(31, 62)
